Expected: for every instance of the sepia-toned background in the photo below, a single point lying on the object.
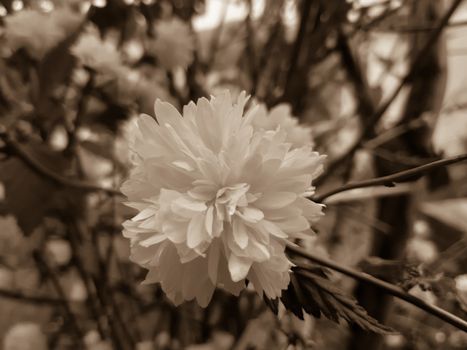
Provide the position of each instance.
(381, 83)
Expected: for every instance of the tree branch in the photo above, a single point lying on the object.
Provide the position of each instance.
(385, 286)
(17, 150)
(390, 180)
(374, 119)
(47, 271)
(33, 299)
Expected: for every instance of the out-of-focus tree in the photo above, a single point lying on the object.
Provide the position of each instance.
(367, 79)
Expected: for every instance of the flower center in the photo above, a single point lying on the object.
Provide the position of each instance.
(229, 198)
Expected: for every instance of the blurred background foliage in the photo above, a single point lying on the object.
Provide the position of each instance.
(74, 75)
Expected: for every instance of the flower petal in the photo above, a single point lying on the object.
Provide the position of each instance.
(238, 267)
(275, 200)
(240, 233)
(196, 231)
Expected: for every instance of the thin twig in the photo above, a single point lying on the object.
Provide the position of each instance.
(16, 149)
(297, 46)
(104, 294)
(250, 44)
(97, 303)
(33, 299)
(387, 287)
(417, 29)
(80, 112)
(50, 273)
(216, 35)
(374, 119)
(391, 180)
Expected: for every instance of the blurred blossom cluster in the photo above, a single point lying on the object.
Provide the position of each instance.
(97, 54)
(172, 50)
(37, 32)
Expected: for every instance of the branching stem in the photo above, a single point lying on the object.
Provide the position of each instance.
(16, 149)
(390, 180)
(387, 287)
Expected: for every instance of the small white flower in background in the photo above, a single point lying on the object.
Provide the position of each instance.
(281, 116)
(426, 295)
(394, 340)
(96, 53)
(31, 30)
(25, 336)
(59, 251)
(91, 337)
(145, 345)
(13, 245)
(93, 341)
(173, 44)
(422, 250)
(7, 278)
(38, 32)
(218, 341)
(461, 289)
(217, 199)
(77, 292)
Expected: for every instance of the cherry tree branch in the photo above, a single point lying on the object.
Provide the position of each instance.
(387, 287)
(16, 149)
(391, 180)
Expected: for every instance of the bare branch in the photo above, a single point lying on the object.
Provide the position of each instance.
(17, 150)
(391, 180)
(385, 286)
(374, 119)
(33, 299)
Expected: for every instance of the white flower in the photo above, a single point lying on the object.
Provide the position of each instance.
(100, 55)
(217, 198)
(422, 250)
(93, 341)
(461, 289)
(173, 45)
(38, 32)
(25, 336)
(281, 115)
(59, 251)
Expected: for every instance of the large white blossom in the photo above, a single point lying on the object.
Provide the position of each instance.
(217, 198)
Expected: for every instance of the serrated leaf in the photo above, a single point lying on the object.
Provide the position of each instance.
(312, 291)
